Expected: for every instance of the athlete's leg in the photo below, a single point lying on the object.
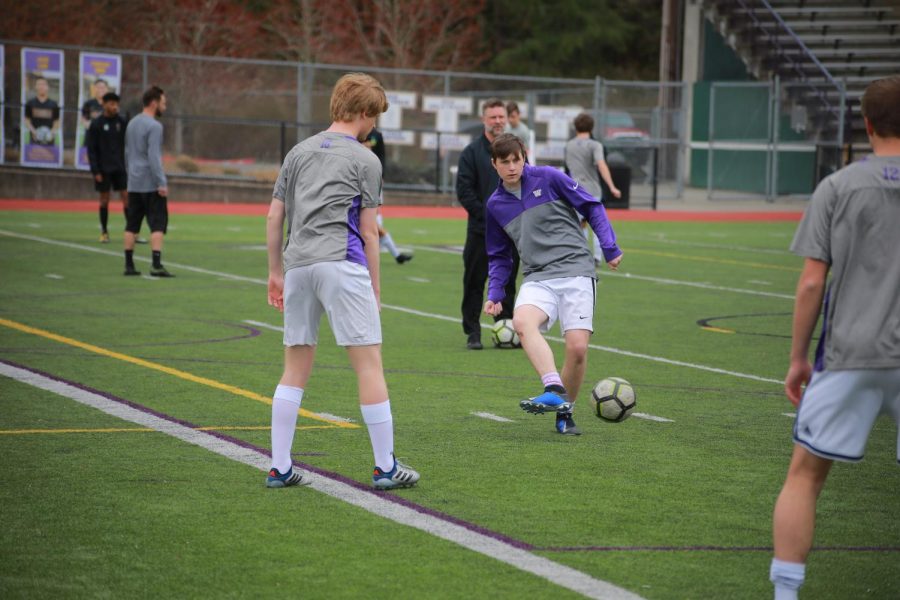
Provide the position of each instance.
(366, 362)
(374, 403)
(794, 520)
(527, 320)
(298, 362)
(576, 361)
(104, 212)
(795, 511)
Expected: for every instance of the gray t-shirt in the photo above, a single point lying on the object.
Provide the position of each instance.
(143, 154)
(522, 131)
(853, 223)
(582, 155)
(324, 181)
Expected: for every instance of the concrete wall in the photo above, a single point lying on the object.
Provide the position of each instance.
(68, 184)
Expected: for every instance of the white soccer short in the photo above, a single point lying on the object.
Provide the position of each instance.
(839, 408)
(341, 289)
(567, 299)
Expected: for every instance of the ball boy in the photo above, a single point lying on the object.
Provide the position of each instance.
(536, 211)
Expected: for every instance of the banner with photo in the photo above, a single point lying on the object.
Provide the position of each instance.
(98, 74)
(42, 99)
(2, 105)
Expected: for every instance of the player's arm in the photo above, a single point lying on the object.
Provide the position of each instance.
(274, 245)
(55, 126)
(368, 228)
(593, 212)
(607, 177)
(154, 151)
(467, 183)
(28, 122)
(91, 143)
(807, 306)
(500, 262)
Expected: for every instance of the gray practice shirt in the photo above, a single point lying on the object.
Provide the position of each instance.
(143, 154)
(324, 181)
(582, 155)
(853, 223)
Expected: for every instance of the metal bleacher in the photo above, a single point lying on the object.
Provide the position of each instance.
(822, 43)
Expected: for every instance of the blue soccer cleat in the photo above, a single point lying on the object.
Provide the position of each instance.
(276, 479)
(400, 476)
(565, 424)
(547, 402)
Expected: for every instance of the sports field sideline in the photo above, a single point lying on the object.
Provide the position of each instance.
(132, 408)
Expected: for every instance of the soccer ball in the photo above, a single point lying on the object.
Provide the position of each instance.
(44, 135)
(614, 399)
(504, 334)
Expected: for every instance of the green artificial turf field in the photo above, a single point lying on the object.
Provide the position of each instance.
(673, 503)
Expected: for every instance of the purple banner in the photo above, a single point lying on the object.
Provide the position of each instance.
(42, 102)
(98, 75)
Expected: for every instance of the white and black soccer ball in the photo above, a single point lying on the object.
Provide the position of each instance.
(504, 334)
(43, 135)
(614, 399)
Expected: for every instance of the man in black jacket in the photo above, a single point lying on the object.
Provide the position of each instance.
(105, 144)
(476, 180)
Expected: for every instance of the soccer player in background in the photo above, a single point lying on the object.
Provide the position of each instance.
(147, 186)
(584, 160)
(536, 210)
(328, 190)
(514, 123)
(375, 142)
(105, 142)
(42, 113)
(850, 229)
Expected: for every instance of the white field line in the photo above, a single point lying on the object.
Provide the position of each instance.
(662, 240)
(652, 418)
(420, 313)
(264, 325)
(332, 417)
(663, 280)
(493, 417)
(486, 545)
(419, 279)
(53, 276)
(791, 415)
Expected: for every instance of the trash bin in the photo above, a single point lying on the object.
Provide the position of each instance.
(621, 176)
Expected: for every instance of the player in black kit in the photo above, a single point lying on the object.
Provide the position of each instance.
(105, 144)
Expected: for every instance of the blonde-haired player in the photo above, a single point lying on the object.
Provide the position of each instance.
(328, 190)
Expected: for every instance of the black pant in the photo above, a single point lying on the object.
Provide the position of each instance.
(475, 274)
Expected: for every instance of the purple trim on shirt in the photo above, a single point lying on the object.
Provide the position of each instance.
(819, 364)
(355, 245)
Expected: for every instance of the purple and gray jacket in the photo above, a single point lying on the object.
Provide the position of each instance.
(544, 226)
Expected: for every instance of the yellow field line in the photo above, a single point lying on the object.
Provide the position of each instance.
(718, 329)
(723, 261)
(145, 430)
(164, 369)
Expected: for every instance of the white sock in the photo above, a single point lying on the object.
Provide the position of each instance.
(388, 242)
(285, 404)
(787, 577)
(380, 423)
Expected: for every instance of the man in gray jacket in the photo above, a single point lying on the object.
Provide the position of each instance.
(147, 187)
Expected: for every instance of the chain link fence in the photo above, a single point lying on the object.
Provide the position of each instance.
(236, 118)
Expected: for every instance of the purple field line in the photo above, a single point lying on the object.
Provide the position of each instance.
(437, 514)
(328, 474)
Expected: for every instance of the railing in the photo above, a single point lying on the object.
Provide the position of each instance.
(796, 62)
